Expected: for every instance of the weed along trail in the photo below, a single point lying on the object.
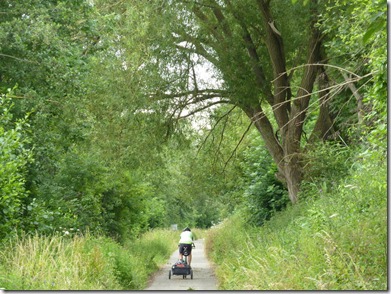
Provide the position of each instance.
(203, 274)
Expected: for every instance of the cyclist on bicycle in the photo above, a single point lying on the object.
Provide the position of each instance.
(186, 242)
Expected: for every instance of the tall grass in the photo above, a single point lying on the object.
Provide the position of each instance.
(82, 262)
(336, 242)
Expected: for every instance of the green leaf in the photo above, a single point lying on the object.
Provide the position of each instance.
(374, 28)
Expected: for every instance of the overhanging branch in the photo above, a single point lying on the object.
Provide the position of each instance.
(198, 95)
(214, 126)
(204, 107)
(237, 145)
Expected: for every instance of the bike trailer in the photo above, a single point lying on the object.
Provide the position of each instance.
(180, 269)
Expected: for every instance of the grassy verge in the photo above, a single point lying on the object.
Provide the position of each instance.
(82, 262)
(336, 242)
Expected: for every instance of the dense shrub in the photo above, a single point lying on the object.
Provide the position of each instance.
(263, 193)
(325, 165)
(14, 158)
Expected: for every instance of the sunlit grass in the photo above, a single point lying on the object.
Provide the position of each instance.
(337, 242)
(47, 263)
(82, 262)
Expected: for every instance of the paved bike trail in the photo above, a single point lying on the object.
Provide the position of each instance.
(203, 274)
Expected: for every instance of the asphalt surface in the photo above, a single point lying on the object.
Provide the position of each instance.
(203, 274)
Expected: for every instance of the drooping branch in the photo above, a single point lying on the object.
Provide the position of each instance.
(319, 64)
(17, 58)
(237, 145)
(215, 125)
(329, 91)
(196, 47)
(194, 97)
(358, 97)
(198, 95)
(204, 107)
(222, 134)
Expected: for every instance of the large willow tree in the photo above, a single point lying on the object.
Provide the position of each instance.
(265, 57)
(250, 45)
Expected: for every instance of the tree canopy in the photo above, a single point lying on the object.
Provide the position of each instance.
(273, 60)
(121, 116)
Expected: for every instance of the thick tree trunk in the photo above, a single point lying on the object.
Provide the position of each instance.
(288, 162)
(293, 177)
(289, 115)
(282, 139)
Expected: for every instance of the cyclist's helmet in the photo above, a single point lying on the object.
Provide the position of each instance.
(187, 229)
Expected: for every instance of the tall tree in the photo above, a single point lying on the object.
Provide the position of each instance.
(267, 57)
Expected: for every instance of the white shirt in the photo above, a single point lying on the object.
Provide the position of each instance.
(186, 237)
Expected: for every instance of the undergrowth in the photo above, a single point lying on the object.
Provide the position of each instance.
(336, 241)
(82, 262)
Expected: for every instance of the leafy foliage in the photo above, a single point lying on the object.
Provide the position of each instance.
(15, 155)
(264, 194)
(95, 139)
(336, 242)
(360, 46)
(64, 51)
(326, 164)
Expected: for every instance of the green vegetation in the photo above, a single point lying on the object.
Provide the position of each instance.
(336, 241)
(119, 119)
(82, 262)
(14, 157)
